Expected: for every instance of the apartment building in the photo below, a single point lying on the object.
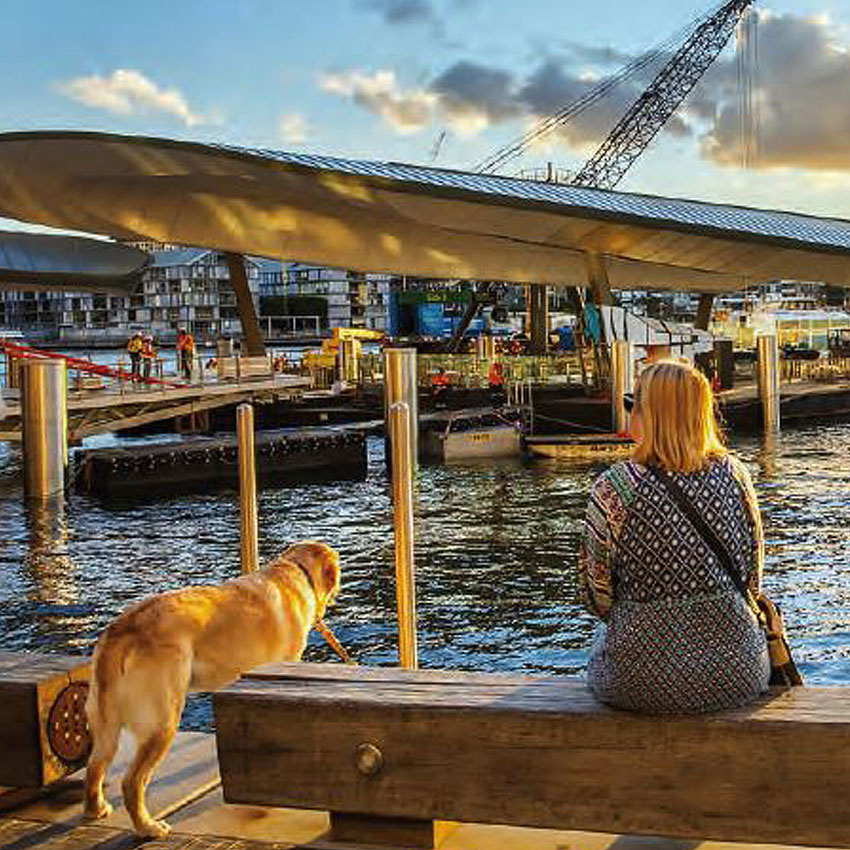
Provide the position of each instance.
(354, 299)
(183, 287)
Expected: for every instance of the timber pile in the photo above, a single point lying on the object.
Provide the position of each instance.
(205, 462)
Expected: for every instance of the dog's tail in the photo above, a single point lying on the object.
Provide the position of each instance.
(102, 709)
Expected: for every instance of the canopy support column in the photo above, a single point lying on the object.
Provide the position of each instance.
(706, 302)
(600, 294)
(538, 318)
(245, 305)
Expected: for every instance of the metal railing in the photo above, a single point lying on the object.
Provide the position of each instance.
(289, 327)
(470, 371)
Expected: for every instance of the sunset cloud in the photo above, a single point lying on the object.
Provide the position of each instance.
(802, 97)
(406, 112)
(293, 128)
(129, 92)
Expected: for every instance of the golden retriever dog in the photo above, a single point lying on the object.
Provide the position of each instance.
(194, 639)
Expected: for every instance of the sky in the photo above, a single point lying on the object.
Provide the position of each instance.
(443, 82)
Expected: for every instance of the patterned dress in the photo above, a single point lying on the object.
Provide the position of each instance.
(677, 636)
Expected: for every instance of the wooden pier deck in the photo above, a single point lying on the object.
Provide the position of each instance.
(98, 411)
(186, 791)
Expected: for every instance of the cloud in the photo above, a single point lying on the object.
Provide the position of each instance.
(469, 97)
(473, 96)
(293, 128)
(406, 112)
(128, 92)
(400, 12)
(801, 93)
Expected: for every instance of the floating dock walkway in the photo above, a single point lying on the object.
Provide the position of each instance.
(203, 462)
(99, 411)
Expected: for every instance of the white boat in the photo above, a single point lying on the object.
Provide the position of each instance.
(495, 441)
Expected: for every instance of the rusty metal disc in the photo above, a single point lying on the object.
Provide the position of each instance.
(67, 726)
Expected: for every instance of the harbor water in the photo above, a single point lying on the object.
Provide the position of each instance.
(495, 546)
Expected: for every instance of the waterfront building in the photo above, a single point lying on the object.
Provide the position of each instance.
(191, 287)
(183, 287)
(352, 299)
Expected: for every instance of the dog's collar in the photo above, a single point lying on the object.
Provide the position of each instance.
(308, 577)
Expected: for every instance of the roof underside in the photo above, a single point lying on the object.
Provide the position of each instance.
(31, 261)
(404, 219)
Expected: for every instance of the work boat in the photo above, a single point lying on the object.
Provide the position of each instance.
(580, 446)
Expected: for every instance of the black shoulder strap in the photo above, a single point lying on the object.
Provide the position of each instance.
(702, 528)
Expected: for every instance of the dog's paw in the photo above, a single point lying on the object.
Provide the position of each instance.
(103, 810)
(154, 829)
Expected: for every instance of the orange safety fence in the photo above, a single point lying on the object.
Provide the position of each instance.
(24, 352)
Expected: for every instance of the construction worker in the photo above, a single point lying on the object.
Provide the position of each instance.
(496, 381)
(148, 355)
(134, 348)
(440, 384)
(185, 352)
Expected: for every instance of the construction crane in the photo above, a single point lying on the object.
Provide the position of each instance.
(704, 39)
(651, 111)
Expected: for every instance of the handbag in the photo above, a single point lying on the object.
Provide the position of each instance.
(783, 670)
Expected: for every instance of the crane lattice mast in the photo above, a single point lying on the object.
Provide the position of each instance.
(653, 108)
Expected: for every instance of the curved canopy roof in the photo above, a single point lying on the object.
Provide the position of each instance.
(38, 261)
(404, 219)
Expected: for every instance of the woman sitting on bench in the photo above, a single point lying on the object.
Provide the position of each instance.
(678, 635)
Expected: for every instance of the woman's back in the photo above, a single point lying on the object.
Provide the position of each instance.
(679, 636)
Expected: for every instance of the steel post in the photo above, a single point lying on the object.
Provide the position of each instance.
(622, 382)
(401, 383)
(403, 464)
(768, 381)
(249, 546)
(44, 426)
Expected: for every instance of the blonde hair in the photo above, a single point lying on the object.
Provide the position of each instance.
(678, 421)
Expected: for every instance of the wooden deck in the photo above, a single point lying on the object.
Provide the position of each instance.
(98, 411)
(187, 793)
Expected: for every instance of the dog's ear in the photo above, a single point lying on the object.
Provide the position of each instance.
(330, 572)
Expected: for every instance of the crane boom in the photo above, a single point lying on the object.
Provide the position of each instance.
(653, 108)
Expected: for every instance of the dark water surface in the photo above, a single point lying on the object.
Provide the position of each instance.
(495, 550)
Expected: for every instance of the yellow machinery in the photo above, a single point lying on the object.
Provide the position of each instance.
(343, 346)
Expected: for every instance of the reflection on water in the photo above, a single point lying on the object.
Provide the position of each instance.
(495, 550)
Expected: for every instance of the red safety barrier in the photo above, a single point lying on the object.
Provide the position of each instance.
(27, 353)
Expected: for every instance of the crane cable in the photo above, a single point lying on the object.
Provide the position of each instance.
(575, 108)
(747, 58)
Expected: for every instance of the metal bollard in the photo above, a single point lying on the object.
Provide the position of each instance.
(44, 426)
(401, 383)
(768, 381)
(622, 382)
(248, 522)
(402, 477)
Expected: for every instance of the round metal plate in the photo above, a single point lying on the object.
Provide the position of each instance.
(67, 727)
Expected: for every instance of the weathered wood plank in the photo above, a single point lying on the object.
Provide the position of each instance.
(210, 815)
(538, 752)
(189, 771)
(23, 835)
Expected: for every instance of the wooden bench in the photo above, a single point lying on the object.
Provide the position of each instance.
(388, 752)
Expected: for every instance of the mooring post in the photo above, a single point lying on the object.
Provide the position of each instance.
(622, 382)
(44, 426)
(768, 381)
(402, 477)
(401, 383)
(249, 546)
